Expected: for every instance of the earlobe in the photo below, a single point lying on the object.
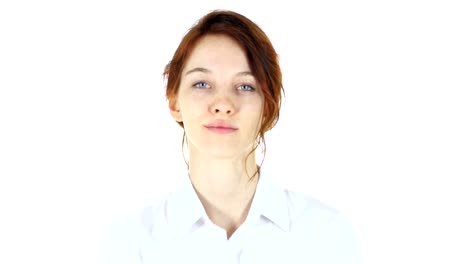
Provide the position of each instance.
(175, 111)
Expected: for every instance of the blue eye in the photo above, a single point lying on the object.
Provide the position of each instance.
(246, 87)
(201, 85)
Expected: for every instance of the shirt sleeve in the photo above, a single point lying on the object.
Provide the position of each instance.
(122, 243)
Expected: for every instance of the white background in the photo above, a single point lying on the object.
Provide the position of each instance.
(374, 123)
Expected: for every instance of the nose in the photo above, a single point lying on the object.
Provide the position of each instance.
(222, 105)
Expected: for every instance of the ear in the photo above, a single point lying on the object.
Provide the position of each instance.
(175, 110)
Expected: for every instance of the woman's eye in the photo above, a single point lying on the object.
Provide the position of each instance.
(202, 85)
(246, 87)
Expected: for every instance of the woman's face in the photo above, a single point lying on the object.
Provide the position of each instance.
(218, 100)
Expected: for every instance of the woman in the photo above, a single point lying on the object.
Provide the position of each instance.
(224, 89)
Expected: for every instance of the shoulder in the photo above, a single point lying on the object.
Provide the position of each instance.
(323, 226)
(305, 207)
(127, 233)
(307, 211)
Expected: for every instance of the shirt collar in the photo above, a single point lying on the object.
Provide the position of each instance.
(184, 208)
(271, 201)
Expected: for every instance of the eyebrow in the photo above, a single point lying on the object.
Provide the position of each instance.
(205, 70)
(197, 69)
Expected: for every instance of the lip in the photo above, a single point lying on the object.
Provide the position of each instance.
(221, 127)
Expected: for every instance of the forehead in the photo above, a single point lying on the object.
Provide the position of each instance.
(217, 50)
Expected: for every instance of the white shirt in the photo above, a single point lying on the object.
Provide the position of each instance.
(282, 227)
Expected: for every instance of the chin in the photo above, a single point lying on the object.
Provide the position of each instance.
(227, 153)
(221, 150)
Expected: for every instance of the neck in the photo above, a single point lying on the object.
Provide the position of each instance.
(224, 188)
(224, 179)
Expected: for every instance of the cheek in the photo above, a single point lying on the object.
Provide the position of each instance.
(258, 108)
(255, 114)
(191, 109)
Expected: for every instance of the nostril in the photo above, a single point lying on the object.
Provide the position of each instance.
(227, 111)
